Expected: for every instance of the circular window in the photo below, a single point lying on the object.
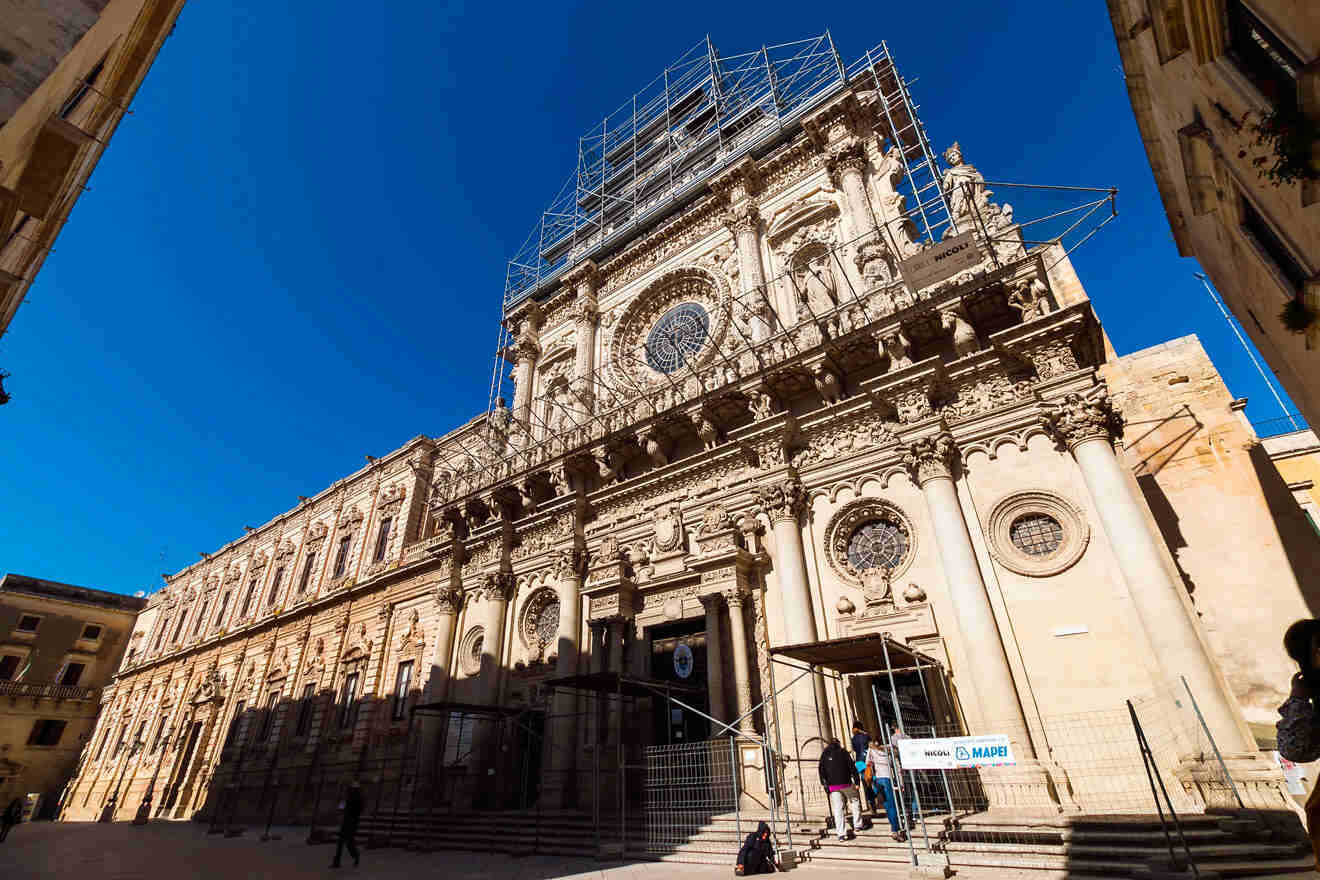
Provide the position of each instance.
(868, 535)
(880, 543)
(470, 651)
(677, 337)
(540, 620)
(1037, 533)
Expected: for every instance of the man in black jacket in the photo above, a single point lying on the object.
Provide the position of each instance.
(838, 774)
(757, 855)
(348, 826)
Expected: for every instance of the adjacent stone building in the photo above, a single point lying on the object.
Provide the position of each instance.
(1203, 76)
(68, 72)
(778, 398)
(59, 645)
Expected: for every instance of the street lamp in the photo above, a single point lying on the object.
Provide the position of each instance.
(108, 814)
(144, 809)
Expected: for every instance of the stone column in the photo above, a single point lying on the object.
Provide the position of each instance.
(564, 744)
(585, 279)
(929, 461)
(447, 602)
(846, 164)
(498, 590)
(742, 682)
(616, 629)
(1087, 425)
(526, 350)
(714, 659)
(744, 221)
(783, 501)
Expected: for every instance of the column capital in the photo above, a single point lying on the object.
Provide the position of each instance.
(848, 156)
(783, 500)
(745, 217)
(584, 278)
(737, 182)
(584, 310)
(526, 349)
(711, 601)
(447, 599)
(929, 458)
(734, 597)
(1078, 418)
(498, 586)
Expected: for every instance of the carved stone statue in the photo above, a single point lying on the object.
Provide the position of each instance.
(899, 349)
(954, 322)
(497, 422)
(827, 383)
(706, 430)
(1031, 299)
(815, 281)
(964, 187)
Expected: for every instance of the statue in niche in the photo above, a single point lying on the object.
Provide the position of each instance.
(964, 188)
(1031, 299)
(814, 276)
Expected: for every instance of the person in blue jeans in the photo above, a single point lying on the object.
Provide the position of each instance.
(878, 763)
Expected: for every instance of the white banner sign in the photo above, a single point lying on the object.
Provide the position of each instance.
(953, 752)
(942, 260)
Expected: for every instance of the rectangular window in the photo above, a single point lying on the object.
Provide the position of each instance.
(268, 721)
(80, 91)
(200, 619)
(307, 571)
(1269, 241)
(91, 632)
(178, 629)
(348, 711)
(72, 674)
(8, 666)
(162, 737)
(160, 635)
(1263, 58)
(234, 723)
(247, 599)
(402, 682)
(28, 623)
(275, 586)
(100, 747)
(341, 558)
(304, 726)
(119, 743)
(382, 539)
(46, 732)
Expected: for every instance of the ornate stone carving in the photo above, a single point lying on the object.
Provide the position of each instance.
(783, 500)
(964, 187)
(1080, 418)
(316, 658)
(669, 527)
(1073, 533)
(626, 341)
(211, 687)
(392, 497)
(955, 323)
(927, 458)
(447, 599)
(471, 650)
(351, 519)
(982, 395)
(317, 531)
(539, 624)
(913, 594)
(899, 349)
(735, 598)
(1030, 298)
(714, 519)
(879, 518)
(412, 636)
(1054, 358)
(498, 586)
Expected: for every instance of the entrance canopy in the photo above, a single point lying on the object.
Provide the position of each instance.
(615, 683)
(857, 654)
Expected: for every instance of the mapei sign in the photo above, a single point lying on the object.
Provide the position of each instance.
(953, 752)
(942, 260)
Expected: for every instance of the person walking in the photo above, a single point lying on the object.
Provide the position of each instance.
(1298, 728)
(838, 774)
(877, 766)
(861, 740)
(12, 815)
(348, 826)
(913, 809)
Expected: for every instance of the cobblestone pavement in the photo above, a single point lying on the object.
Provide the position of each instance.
(120, 851)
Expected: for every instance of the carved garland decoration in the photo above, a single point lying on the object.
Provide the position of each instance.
(703, 286)
(847, 519)
(1017, 506)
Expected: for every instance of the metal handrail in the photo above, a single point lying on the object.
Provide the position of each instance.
(49, 690)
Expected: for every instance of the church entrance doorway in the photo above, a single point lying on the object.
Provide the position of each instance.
(678, 655)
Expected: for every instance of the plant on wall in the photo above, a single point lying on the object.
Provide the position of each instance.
(1290, 136)
(1297, 316)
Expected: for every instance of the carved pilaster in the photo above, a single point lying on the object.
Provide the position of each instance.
(782, 501)
(448, 600)
(1079, 418)
(928, 458)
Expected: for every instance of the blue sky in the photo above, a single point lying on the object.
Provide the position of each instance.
(293, 252)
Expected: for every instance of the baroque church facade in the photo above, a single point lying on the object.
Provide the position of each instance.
(750, 425)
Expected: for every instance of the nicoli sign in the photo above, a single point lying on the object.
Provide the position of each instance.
(955, 752)
(941, 260)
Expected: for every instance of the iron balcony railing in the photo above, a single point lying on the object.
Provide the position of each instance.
(49, 691)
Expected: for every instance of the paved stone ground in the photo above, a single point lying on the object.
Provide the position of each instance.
(120, 851)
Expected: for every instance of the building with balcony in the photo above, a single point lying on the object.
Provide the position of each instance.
(805, 426)
(59, 646)
(68, 73)
(1207, 79)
